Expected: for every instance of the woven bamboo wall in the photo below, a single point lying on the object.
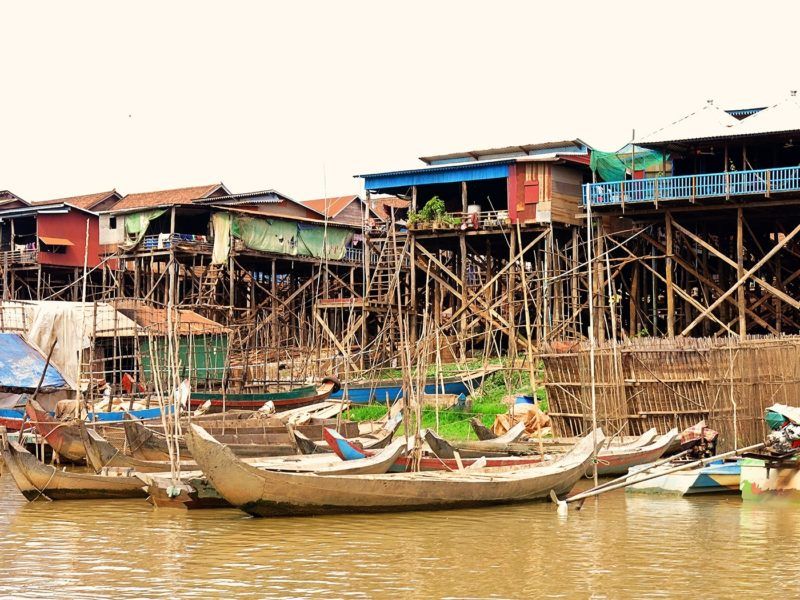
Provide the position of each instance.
(663, 383)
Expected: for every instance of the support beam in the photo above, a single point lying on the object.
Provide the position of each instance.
(765, 284)
(775, 249)
(668, 279)
(706, 281)
(740, 298)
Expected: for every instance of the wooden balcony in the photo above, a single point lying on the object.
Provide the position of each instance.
(760, 182)
(488, 219)
(19, 257)
(165, 241)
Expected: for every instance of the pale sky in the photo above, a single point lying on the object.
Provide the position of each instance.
(299, 96)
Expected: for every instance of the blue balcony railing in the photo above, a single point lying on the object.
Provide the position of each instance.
(690, 187)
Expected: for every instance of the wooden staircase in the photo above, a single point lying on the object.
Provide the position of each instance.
(385, 273)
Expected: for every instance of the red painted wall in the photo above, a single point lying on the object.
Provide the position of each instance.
(71, 226)
(516, 189)
(523, 196)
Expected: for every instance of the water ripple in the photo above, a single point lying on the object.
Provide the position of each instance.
(620, 547)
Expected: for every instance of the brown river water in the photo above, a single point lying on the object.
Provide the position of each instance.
(624, 546)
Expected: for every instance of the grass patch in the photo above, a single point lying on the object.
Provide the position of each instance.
(486, 403)
(453, 422)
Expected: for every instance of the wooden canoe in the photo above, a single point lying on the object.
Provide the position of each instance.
(37, 480)
(302, 396)
(271, 493)
(616, 460)
(346, 450)
(100, 453)
(63, 436)
(246, 437)
(195, 491)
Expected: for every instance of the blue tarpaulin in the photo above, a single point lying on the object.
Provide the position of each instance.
(21, 366)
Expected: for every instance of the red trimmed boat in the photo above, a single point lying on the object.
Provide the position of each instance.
(347, 450)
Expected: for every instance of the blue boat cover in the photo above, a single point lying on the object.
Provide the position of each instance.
(21, 366)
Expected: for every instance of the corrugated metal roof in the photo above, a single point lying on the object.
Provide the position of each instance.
(506, 151)
(260, 197)
(708, 122)
(783, 116)
(476, 171)
(34, 209)
(711, 123)
(435, 168)
(21, 366)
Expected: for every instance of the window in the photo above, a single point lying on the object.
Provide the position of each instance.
(112, 222)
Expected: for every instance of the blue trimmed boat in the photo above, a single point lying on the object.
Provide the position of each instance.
(719, 476)
(389, 391)
(12, 418)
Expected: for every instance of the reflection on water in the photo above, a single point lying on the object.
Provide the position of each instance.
(622, 547)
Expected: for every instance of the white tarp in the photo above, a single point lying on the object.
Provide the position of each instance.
(69, 323)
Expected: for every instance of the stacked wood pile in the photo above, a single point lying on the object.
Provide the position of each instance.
(666, 383)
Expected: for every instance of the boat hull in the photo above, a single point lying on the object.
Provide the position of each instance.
(296, 398)
(267, 493)
(759, 484)
(617, 460)
(38, 481)
(719, 477)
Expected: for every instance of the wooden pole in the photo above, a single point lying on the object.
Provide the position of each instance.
(670, 290)
(740, 292)
(462, 242)
(512, 333)
(592, 382)
(633, 480)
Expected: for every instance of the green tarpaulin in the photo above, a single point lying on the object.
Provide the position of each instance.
(136, 225)
(613, 166)
(278, 236)
(203, 354)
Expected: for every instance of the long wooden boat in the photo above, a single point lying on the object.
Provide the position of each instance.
(484, 434)
(616, 460)
(389, 391)
(427, 461)
(246, 437)
(37, 480)
(721, 476)
(195, 491)
(271, 493)
(301, 396)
